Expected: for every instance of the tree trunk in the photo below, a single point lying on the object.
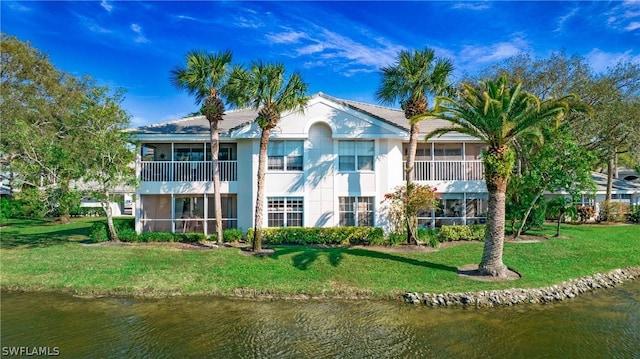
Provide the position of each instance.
(491, 263)
(215, 149)
(111, 228)
(262, 164)
(409, 173)
(559, 221)
(606, 208)
(526, 215)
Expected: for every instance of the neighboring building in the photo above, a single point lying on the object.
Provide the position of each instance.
(329, 166)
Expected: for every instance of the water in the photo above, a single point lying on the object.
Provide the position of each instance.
(603, 324)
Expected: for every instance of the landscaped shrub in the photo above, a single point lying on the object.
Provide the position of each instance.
(585, 213)
(613, 211)
(190, 237)
(460, 232)
(395, 238)
(156, 237)
(634, 214)
(321, 235)
(430, 236)
(98, 232)
(232, 235)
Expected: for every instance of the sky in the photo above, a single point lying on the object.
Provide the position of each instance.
(337, 46)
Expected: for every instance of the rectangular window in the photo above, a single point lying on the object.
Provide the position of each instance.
(285, 155)
(447, 151)
(285, 211)
(356, 211)
(355, 155)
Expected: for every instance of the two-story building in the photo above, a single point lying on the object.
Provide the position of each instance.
(328, 166)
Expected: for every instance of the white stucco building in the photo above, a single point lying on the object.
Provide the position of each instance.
(329, 166)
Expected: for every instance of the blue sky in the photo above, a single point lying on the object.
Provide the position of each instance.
(338, 46)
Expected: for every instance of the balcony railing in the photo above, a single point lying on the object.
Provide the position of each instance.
(446, 170)
(169, 171)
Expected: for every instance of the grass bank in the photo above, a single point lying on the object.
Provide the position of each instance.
(41, 256)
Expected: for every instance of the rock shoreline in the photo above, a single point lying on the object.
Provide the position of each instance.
(509, 297)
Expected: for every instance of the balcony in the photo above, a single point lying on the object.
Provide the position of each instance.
(446, 170)
(189, 171)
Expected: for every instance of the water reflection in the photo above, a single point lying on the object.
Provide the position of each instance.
(597, 325)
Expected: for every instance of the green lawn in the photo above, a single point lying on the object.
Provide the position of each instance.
(40, 256)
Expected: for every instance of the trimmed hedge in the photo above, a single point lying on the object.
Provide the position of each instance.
(461, 232)
(321, 235)
(125, 227)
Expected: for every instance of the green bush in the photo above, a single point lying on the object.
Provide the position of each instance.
(321, 235)
(395, 238)
(98, 232)
(461, 232)
(156, 237)
(189, 237)
(232, 235)
(430, 236)
(633, 215)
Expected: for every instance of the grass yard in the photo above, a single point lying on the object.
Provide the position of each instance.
(43, 256)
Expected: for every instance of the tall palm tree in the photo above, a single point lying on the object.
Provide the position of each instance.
(416, 75)
(497, 114)
(264, 87)
(203, 77)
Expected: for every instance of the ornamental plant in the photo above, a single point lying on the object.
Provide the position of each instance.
(405, 202)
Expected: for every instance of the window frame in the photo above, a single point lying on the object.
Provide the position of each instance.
(352, 211)
(290, 206)
(285, 158)
(358, 160)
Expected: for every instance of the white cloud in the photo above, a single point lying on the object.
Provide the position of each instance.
(600, 60)
(18, 7)
(91, 25)
(138, 30)
(563, 19)
(105, 5)
(474, 6)
(286, 37)
(492, 53)
(625, 16)
(633, 26)
(344, 54)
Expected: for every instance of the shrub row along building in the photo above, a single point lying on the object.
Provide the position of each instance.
(328, 166)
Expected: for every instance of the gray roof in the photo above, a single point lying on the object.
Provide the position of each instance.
(237, 118)
(618, 184)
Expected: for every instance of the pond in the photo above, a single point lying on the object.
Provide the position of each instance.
(602, 324)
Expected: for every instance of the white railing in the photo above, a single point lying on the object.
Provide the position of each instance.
(169, 171)
(446, 170)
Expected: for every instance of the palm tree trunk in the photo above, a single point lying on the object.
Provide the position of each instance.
(215, 149)
(409, 172)
(262, 164)
(491, 263)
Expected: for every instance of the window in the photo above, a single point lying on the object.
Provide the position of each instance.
(285, 155)
(284, 211)
(447, 151)
(355, 155)
(356, 211)
(188, 152)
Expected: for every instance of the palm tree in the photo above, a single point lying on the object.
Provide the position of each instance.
(498, 115)
(203, 77)
(415, 76)
(265, 88)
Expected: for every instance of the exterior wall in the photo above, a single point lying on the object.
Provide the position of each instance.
(247, 181)
(320, 184)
